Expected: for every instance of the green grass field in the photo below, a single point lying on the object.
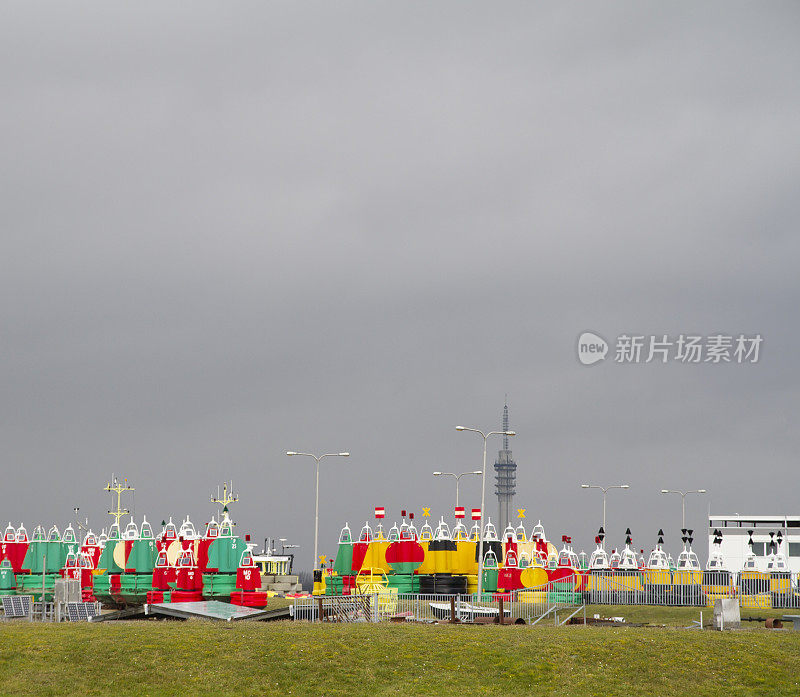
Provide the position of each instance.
(203, 658)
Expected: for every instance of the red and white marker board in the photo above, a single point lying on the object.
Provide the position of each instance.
(476, 514)
(460, 512)
(380, 512)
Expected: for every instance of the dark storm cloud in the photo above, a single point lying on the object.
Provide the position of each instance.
(233, 230)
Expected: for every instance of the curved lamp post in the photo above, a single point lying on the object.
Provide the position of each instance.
(485, 436)
(604, 489)
(683, 500)
(316, 509)
(457, 476)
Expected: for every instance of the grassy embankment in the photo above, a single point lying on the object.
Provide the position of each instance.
(203, 658)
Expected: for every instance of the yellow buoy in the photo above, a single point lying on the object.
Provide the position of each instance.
(119, 554)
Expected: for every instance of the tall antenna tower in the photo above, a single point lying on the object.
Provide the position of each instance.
(117, 488)
(505, 476)
(505, 424)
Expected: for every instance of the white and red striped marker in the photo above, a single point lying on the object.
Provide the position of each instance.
(380, 512)
(460, 511)
(476, 514)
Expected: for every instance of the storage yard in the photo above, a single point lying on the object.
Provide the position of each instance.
(489, 310)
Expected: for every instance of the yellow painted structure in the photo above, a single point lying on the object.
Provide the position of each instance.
(684, 577)
(371, 581)
(375, 558)
(657, 577)
(464, 561)
(427, 566)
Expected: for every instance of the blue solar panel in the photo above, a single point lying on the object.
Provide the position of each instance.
(81, 612)
(16, 605)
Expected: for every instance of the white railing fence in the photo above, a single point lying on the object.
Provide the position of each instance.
(649, 587)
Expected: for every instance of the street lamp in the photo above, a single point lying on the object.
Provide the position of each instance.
(683, 500)
(485, 436)
(457, 476)
(316, 509)
(605, 489)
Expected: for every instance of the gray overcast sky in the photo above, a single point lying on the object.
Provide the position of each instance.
(233, 229)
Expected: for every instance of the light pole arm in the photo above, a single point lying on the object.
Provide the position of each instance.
(317, 458)
(683, 500)
(457, 477)
(485, 437)
(605, 490)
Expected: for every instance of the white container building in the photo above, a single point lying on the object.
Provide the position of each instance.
(734, 531)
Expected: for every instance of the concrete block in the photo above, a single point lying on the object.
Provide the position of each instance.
(727, 614)
(794, 619)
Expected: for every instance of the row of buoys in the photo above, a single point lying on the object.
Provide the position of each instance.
(131, 567)
(404, 553)
(438, 562)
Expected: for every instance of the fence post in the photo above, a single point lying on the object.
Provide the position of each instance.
(319, 608)
(500, 605)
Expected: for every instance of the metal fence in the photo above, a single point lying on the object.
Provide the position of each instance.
(692, 588)
(528, 605)
(754, 590)
(405, 607)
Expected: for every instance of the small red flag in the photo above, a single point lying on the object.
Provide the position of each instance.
(380, 512)
(476, 514)
(460, 511)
